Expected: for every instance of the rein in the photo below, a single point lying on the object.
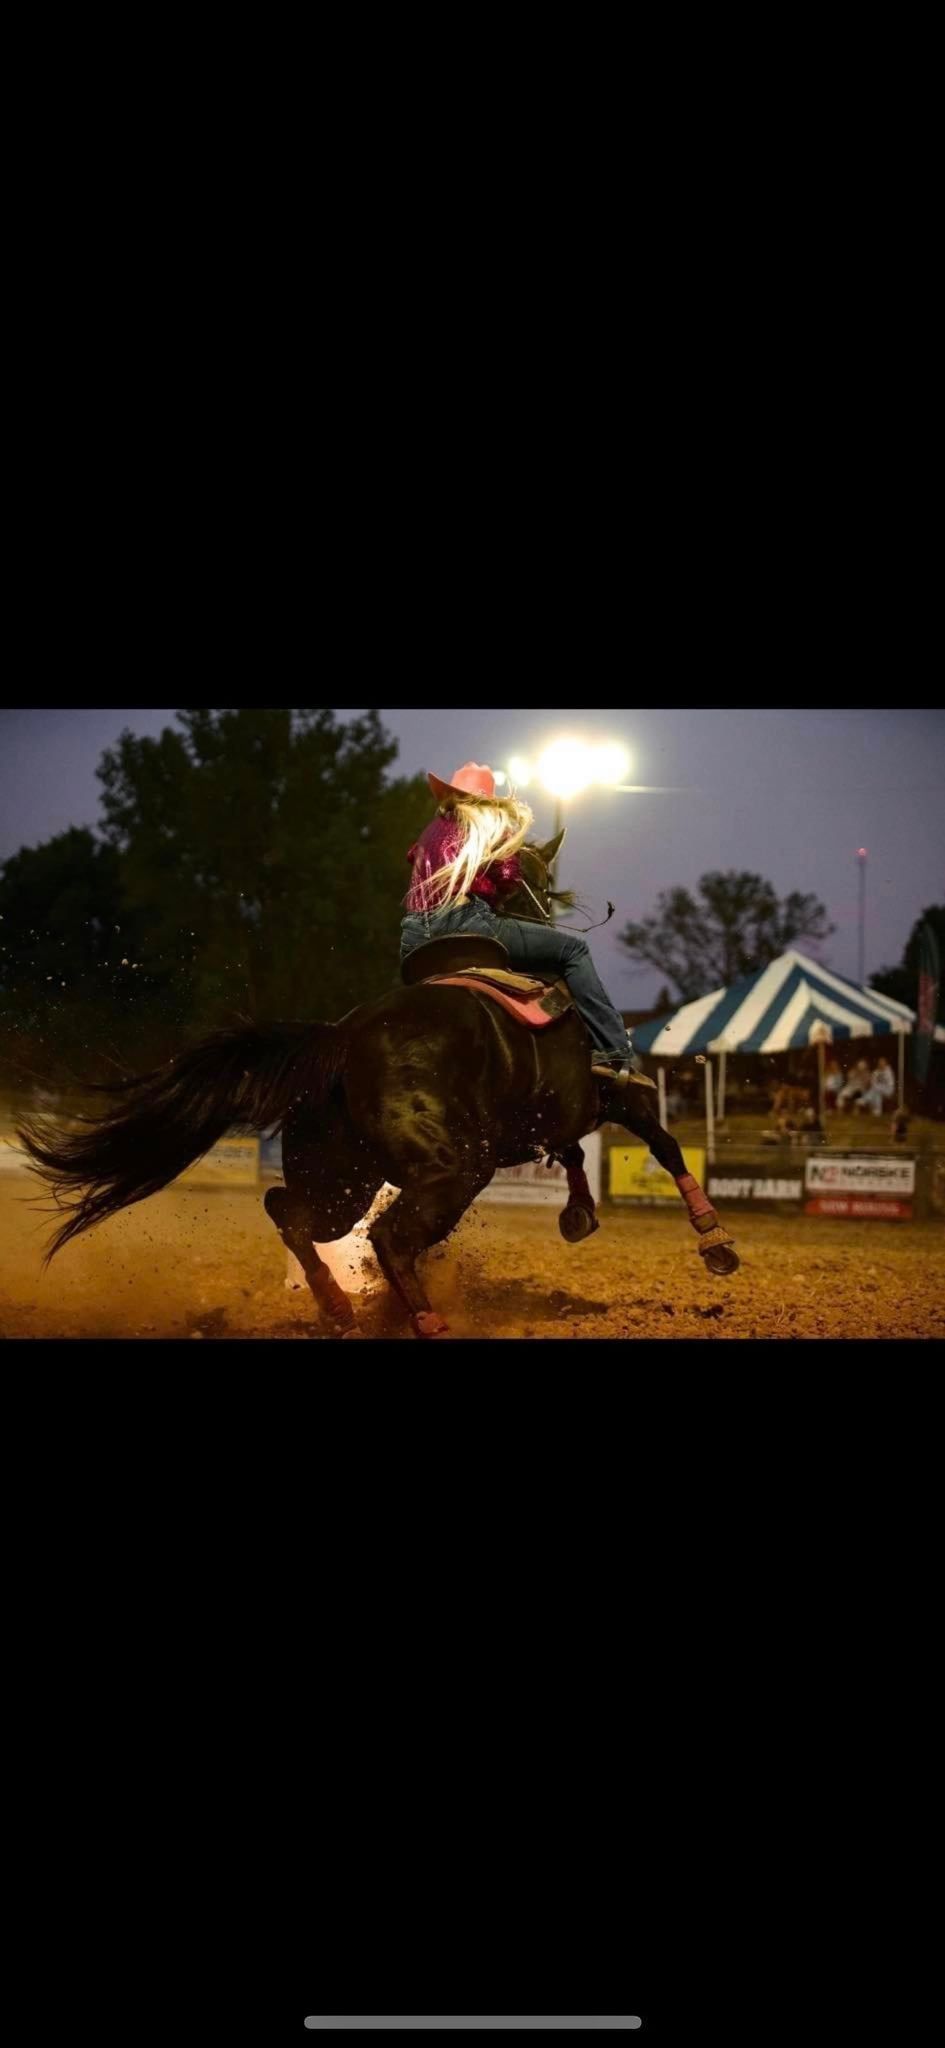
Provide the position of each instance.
(589, 927)
(546, 914)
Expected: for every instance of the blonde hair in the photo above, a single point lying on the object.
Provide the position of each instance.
(493, 829)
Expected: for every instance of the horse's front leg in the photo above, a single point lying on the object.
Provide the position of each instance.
(626, 1104)
(578, 1219)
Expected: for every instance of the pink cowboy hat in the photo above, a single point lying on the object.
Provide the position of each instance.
(469, 780)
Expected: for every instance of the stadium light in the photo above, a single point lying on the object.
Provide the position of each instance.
(569, 766)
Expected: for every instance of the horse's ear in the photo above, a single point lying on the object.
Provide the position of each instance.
(548, 852)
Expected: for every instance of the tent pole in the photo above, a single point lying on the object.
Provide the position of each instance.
(821, 1056)
(902, 1069)
(709, 1116)
(721, 1105)
(661, 1094)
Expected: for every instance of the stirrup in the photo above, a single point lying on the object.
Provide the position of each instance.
(623, 1072)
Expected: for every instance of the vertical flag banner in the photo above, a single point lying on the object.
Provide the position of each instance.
(929, 983)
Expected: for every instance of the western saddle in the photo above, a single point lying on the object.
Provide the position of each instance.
(481, 964)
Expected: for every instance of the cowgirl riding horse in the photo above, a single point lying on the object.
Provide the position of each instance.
(430, 1088)
(465, 867)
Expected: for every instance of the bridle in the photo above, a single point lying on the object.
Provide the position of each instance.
(546, 914)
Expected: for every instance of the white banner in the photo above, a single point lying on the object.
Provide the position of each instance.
(536, 1182)
(859, 1173)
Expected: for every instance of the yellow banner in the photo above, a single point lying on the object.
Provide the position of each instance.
(634, 1172)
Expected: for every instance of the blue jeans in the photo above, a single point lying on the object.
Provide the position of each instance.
(535, 949)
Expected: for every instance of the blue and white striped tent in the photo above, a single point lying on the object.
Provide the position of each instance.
(784, 1005)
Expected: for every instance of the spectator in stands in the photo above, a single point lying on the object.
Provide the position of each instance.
(791, 1109)
(857, 1085)
(833, 1082)
(881, 1090)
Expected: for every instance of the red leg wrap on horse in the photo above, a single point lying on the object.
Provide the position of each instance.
(697, 1202)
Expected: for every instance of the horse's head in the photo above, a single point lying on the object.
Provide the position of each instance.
(534, 898)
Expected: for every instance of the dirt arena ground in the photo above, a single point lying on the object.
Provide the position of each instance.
(207, 1263)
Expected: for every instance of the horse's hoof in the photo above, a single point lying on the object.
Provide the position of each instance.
(720, 1258)
(576, 1222)
(429, 1324)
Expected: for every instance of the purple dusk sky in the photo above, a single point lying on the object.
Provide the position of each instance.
(787, 794)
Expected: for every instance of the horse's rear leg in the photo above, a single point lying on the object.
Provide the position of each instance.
(425, 1212)
(296, 1222)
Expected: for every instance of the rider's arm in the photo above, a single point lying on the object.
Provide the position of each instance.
(494, 880)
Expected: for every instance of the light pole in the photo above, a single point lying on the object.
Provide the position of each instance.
(558, 824)
(861, 861)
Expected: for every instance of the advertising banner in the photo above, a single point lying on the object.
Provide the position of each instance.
(233, 1163)
(860, 1184)
(731, 1183)
(635, 1176)
(882, 1208)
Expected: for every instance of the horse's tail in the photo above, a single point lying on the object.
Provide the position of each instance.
(168, 1119)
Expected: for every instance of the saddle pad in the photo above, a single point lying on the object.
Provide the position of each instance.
(557, 998)
(506, 978)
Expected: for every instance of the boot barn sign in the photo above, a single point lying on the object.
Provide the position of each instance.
(750, 1184)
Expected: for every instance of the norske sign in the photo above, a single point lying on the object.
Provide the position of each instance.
(861, 1173)
(860, 1184)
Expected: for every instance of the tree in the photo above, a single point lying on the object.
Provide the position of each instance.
(63, 934)
(251, 862)
(266, 855)
(902, 983)
(737, 927)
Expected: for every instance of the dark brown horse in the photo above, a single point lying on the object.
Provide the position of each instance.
(430, 1088)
